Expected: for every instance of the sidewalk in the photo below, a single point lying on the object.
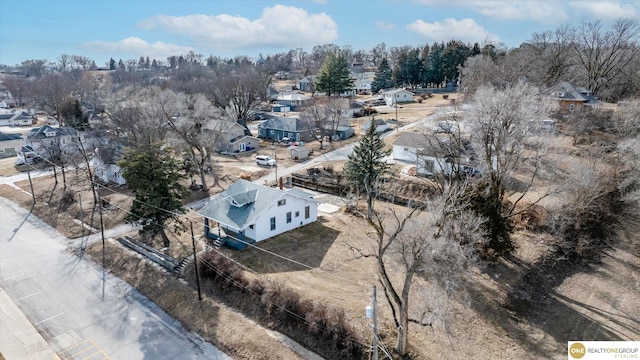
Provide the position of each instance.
(18, 338)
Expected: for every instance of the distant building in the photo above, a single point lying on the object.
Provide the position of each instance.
(397, 96)
(572, 98)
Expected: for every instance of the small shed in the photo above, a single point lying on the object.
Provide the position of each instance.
(280, 108)
(299, 152)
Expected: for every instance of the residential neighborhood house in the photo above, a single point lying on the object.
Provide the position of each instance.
(50, 142)
(105, 163)
(572, 98)
(397, 96)
(294, 100)
(15, 118)
(380, 124)
(306, 83)
(433, 154)
(230, 137)
(277, 128)
(9, 143)
(247, 213)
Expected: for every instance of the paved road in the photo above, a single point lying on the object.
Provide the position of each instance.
(78, 309)
(342, 153)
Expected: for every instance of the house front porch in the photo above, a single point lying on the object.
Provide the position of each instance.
(224, 235)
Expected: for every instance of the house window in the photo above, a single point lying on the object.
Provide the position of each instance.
(289, 217)
(406, 149)
(252, 226)
(273, 223)
(297, 213)
(273, 132)
(572, 107)
(282, 202)
(306, 212)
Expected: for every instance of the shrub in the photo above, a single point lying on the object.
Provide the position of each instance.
(68, 197)
(445, 96)
(285, 309)
(584, 225)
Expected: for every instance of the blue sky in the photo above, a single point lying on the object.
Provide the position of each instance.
(44, 29)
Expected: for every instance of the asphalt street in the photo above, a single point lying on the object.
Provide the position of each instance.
(81, 311)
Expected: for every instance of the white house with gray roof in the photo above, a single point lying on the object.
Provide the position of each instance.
(437, 154)
(397, 96)
(247, 213)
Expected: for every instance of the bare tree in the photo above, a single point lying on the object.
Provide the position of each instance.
(603, 54)
(477, 71)
(53, 151)
(238, 93)
(186, 116)
(51, 92)
(326, 118)
(64, 60)
(502, 127)
(131, 120)
(19, 87)
(585, 222)
(34, 68)
(551, 56)
(627, 125)
(436, 244)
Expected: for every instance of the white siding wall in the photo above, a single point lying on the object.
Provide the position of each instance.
(428, 165)
(262, 229)
(403, 153)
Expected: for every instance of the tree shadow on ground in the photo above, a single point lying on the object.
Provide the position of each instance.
(531, 301)
(307, 245)
(15, 231)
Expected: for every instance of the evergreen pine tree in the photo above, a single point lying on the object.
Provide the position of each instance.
(154, 177)
(334, 77)
(383, 79)
(366, 166)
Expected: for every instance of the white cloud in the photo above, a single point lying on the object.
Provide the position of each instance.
(136, 46)
(466, 30)
(277, 26)
(605, 10)
(383, 25)
(547, 11)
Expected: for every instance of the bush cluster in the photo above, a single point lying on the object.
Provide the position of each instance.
(583, 231)
(319, 328)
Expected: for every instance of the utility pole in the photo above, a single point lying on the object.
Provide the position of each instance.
(371, 312)
(195, 260)
(103, 250)
(33, 194)
(101, 226)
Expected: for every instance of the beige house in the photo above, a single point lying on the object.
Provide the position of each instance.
(230, 137)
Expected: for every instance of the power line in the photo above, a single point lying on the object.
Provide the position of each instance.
(200, 222)
(211, 266)
(244, 287)
(296, 316)
(252, 245)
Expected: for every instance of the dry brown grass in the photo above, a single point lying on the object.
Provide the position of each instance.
(596, 303)
(231, 332)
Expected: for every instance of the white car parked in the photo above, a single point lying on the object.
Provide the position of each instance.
(265, 160)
